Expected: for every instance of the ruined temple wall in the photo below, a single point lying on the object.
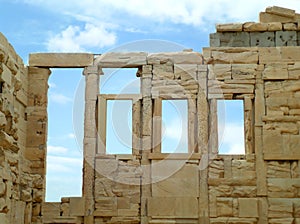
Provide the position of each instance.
(13, 101)
(264, 187)
(148, 186)
(22, 188)
(202, 185)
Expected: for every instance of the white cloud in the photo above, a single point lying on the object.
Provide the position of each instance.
(192, 12)
(71, 135)
(62, 164)
(56, 149)
(59, 98)
(76, 39)
(176, 129)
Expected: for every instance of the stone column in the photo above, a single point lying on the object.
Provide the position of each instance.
(203, 143)
(146, 79)
(90, 139)
(36, 138)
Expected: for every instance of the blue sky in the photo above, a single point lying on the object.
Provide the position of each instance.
(98, 26)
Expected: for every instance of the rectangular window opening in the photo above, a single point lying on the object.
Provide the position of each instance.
(231, 129)
(64, 153)
(119, 127)
(174, 126)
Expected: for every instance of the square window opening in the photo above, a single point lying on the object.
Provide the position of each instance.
(231, 130)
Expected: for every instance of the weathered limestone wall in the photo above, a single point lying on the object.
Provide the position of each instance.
(21, 186)
(264, 187)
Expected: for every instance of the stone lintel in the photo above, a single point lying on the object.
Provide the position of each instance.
(121, 59)
(61, 60)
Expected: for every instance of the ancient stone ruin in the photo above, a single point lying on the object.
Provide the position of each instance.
(258, 63)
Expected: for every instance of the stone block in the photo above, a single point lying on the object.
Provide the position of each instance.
(275, 71)
(262, 39)
(12, 64)
(216, 87)
(219, 71)
(286, 38)
(225, 207)
(121, 59)
(282, 221)
(248, 207)
(294, 71)
(179, 182)
(106, 206)
(245, 72)
(35, 153)
(283, 188)
(275, 26)
(272, 141)
(290, 54)
(175, 58)
(61, 60)
(269, 55)
(17, 212)
(239, 56)
(3, 120)
(185, 71)
(280, 208)
(230, 39)
(293, 144)
(267, 18)
(229, 27)
(296, 204)
(6, 75)
(22, 96)
(290, 27)
(123, 203)
(276, 10)
(38, 195)
(245, 191)
(77, 206)
(255, 27)
(8, 142)
(161, 206)
(106, 167)
(51, 209)
(134, 212)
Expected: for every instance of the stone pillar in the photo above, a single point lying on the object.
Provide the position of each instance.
(203, 147)
(36, 139)
(146, 79)
(90, 139)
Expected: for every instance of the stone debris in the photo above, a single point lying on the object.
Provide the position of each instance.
(257, 62)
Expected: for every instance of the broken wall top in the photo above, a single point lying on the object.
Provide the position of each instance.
(277, 27)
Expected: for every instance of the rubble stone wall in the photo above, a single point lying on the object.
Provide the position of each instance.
(22, 187)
